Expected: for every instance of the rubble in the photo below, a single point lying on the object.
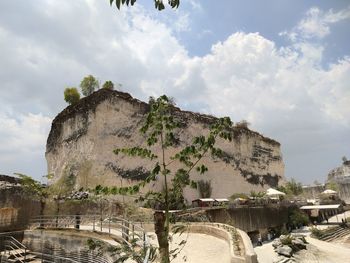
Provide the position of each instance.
(286, 245)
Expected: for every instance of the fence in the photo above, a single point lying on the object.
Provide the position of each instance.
(122, 228)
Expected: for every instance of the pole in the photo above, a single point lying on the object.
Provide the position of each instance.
(109, 225)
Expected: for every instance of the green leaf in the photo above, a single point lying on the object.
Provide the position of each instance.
(117, 3)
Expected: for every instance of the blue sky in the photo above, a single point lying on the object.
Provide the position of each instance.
(282, 65)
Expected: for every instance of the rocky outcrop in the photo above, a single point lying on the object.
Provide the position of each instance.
(83, 136)
(16, 206)
(341, 176)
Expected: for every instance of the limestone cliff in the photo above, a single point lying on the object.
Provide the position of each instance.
(341, 176)
(83, 136)
(340, 172)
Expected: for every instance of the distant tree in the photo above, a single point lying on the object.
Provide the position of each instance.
(344, 159)
(242, 124)
(88, 85)
(292, 187)
(204, 188)
(332, 186)
(108, 85)
(71, 95)
(297, 218)
(257, 194)
(158, 4)
(34, 189)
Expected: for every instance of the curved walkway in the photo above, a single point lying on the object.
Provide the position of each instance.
(200, 248)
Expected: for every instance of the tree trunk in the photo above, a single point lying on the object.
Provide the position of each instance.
(162, 236)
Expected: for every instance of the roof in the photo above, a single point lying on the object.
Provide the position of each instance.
(221, 199)
(328, 191)
(204, 200)
(272, 191)
(311, 207)
(211, 199)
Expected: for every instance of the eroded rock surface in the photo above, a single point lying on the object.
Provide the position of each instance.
(83, 136)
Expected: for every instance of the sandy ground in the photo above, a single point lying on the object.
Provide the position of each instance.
(265, 253)
(317, 251)
(199, 248)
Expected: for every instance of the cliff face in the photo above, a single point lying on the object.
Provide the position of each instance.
(82, 139)
(341, 176)
(340, 172)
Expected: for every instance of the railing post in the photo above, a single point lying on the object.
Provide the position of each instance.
(109, 225)
(133, 230)
(93, 224)
(101, 223)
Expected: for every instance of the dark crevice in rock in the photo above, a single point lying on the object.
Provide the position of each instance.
(264, 179)
(138, 173)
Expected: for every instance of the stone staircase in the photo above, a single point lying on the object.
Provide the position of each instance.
(335, 233)
(18, 256)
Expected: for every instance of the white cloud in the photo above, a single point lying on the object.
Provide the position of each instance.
(284, 92)
(23, 134)
(182, 23)
(316, 23)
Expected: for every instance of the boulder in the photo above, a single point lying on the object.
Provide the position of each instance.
(299, 243)
(285, 251)
(276, 243)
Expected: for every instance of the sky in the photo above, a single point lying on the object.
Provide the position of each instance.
(284, 66)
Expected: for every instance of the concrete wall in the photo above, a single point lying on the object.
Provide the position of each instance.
(250, 219)
(16, 209)
(247, 254)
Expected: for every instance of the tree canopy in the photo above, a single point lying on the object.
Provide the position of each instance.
(88, 85)
(158, 4)
(71, 95)
(108, 85)
(292, 187)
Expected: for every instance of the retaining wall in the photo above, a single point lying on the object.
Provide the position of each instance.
(247, 255)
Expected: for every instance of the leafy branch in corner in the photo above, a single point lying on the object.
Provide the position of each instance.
(158, 4)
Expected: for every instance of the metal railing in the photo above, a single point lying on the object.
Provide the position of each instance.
(122, 228)
(12, 247)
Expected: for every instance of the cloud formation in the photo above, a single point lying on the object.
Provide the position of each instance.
(285, 92)
(316, 23)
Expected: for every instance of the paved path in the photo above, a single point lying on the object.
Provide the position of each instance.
(199, 248)
(265, 253)
(317, 252)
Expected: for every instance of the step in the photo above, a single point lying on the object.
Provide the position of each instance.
(16, 251)
(342, 233)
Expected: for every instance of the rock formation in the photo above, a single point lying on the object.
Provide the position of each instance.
(341, 176)
(340, 172)
(83, 136)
